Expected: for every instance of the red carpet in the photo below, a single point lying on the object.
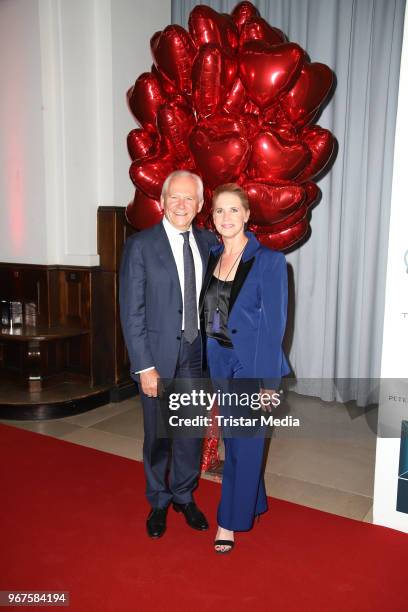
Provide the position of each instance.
(72, 519)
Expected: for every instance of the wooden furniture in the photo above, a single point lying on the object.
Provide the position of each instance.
(74, 357)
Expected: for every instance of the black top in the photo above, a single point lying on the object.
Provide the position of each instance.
(216, 318)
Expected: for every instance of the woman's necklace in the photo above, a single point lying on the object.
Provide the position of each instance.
(216, 323)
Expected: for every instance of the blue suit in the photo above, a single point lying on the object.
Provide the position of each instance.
(256, 326)
(151, 309)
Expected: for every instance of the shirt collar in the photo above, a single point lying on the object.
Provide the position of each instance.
(173, 232)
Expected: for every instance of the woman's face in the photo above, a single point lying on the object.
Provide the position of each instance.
(229, 215)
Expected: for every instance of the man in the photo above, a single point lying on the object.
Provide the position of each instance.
(160, 280)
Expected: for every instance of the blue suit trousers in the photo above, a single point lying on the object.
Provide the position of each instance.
(243, 493)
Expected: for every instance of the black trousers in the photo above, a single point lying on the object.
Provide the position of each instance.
(172, 467)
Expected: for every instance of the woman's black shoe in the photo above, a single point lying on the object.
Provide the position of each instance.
(156, 522)
(194, 517)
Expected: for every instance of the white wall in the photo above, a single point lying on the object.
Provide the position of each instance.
(66, 66)
(22, 205)
(133, 24)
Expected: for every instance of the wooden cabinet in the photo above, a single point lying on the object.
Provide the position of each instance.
(76, 345)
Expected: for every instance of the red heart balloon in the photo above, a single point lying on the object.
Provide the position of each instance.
(308, 93)
(286, 132)
(275, 115)
(236, 98)
(222, 124)
(149, 175)
(212, 76)
(173, 53)
(251, 124)
(175, 122)
(167, 87)
(279, 226)
(287, 238)
(220, 158)
(274, 119)
(273, 158)
(140, 144)
(251, 108)
(312, 193)
(321, 145)
(154, 40)
(257, 28)
(207, 26)
(143, 212)
(272, 203)
(203, 218)
(267, 71)
(243, 12)
(144, 99)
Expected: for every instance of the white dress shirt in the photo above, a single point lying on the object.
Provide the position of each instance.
(176, 243)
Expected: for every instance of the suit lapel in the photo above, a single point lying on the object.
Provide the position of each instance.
(240, 276)
(212, 262)
(163, 249)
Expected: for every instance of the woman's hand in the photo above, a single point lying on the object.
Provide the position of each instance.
(268, 399)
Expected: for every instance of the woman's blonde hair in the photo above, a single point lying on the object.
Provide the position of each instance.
(234, 189)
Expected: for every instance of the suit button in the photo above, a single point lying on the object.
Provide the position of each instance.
(180, 312)
(233, 331)
(178, 338)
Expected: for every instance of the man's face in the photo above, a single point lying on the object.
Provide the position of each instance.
(180, 204)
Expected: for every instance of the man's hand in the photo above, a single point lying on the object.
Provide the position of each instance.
(148, 382)
(267, 403)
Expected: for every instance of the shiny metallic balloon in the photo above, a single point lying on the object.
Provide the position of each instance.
(320, 143)
(243, 12)
(149, 175)
(299, 214)
(173, 54)
(208, 26)
(236, 97)
(233, 101)
(272, 203)
(212, 76)
(175, 121)
(281, 241)
(310, 90)
(143, 211)
(257, 28)
(141, 143)
(268, 71)
(145, 98)
(220, 159)
(273, 158)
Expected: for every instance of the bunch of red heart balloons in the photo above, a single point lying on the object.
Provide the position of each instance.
(233, 101)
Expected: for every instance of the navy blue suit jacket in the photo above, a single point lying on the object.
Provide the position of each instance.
(257, 310)
(150, 298)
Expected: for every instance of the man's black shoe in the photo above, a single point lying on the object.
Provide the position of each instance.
(156, 522)
(194, 517)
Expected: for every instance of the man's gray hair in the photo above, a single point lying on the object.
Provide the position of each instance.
(176, 173)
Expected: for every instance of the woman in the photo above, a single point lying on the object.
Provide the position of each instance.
(243, 306)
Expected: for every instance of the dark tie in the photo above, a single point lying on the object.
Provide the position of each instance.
(190, 300)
